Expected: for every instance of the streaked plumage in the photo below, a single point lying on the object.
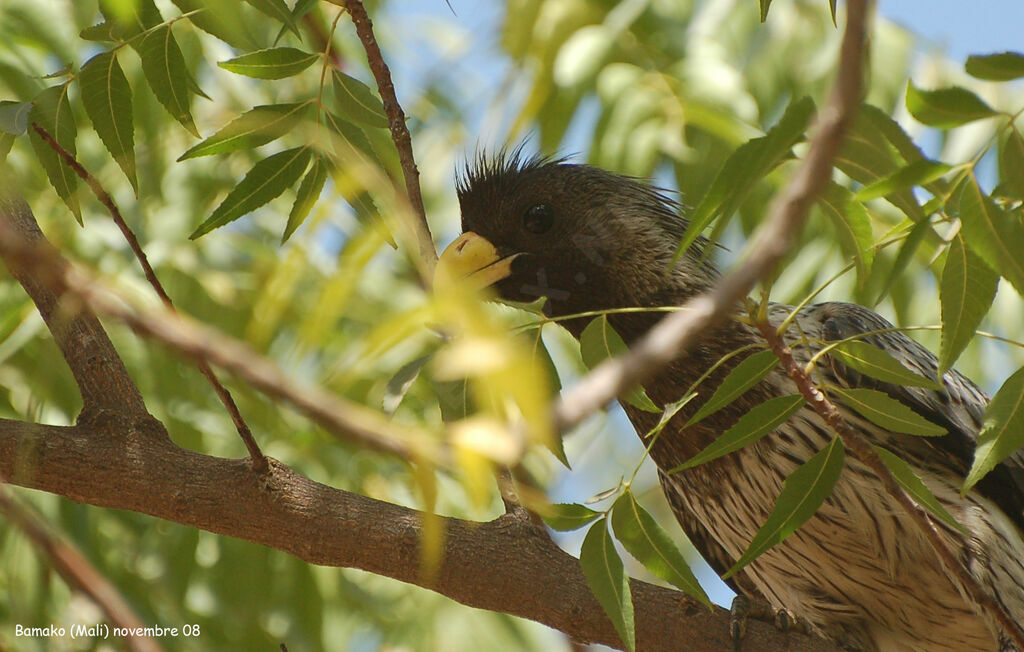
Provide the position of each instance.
(858, 572)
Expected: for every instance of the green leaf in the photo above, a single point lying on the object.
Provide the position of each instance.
(273, 63)
(277, 10)
(746, 167)
(301, 8)
(1011, 163)
(853, 225)
(357, 102)
(873, 361)
(643, 538)
(609, 582)
(883, 410)
(992, 233)
(598, 342)
(947, 107)
(255, 127)
(265, 181)
(764, 8)
(832, 8)
(52, 111)
(453, 399)
(906, 253)
(107, 98)
(802, 494)
(221, 19)
(966, 291)
(14, 117)
(996, 67)
(583, 55)
(306, 197)
(919, 491)
(167, 76)
(6, 143)
(1002, 433)
(543, 358)
(917, 173)
(761, 420)
(399, 384)
(744, 376)
(103, 32)
(565, 517)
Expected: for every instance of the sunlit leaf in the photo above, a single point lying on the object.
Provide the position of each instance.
(306, 197)
(802, 494)
(52, 112)
(912, 484)
(255, 127)
(265, 181)
(853, 226)
(992, 233)
(996, 67)
(873, 361)
(1003, 431)
(107, 98)
(643, 538)
(883, 410)
(273, 63)
(608, 580)
(761, 420)
(583, 55)
(167, 76)
(598, 342)
(917, 173)
(565, 517)
(947, 107)
(744, 376)
(357, 102)
(966, 291)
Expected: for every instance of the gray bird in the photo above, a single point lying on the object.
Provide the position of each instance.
(859, 572)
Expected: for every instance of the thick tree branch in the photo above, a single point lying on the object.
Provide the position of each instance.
(677, 332)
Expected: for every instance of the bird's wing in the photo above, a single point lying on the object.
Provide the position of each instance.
(959, 408)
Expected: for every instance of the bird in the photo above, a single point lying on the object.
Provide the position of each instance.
(858, 573)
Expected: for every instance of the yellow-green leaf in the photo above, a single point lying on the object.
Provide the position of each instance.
(272, 63)
(52, 111)
(1011, 164)
(966, 291)
(255, 127)
(598, 342)
(744, 376)
(995, 235)
(873, 361)
(1003, 431)
(996, 67)
(917, 173)
(565, 517)
(853, 226)
(883, 410)
(107, 98)
(164, 68)
(608, 580)
(919, 491)
(946, 108)
(306, 197)
(357, 102)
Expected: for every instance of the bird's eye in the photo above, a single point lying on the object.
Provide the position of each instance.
(538, 219)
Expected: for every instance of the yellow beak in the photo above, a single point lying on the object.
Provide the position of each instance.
(471, 259)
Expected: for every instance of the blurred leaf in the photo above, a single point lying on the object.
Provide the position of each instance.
(643, 538)
(853, 226)
(167, 75)
(917, 173)
(873, 361)
(107, 98)
(306, 197)
(399, 384)
(996, 67)
(947, 107)
(6, 143)
(598, 342)
(222, 19)
(299, 11)
(1011, 163)
(912, 484)
(583, 55)
(255, 127)
(832, 10)
(992, 233)
(744, 376)
(883, 410)
(454, 399)
(277, 10)
(746, 166)
(802, 494)
(905, 254)
(565, 517)
(764, 8)
(273, 63)
(966, 291)
(761, 420)
(14, 117)
(52, 112)
(357, 102)
(1002, 433)
(609, 582)
(103, 32)
(265, 181)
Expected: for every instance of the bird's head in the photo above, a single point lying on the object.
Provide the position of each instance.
(584, 238)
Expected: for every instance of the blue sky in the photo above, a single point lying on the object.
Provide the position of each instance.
(960, 27)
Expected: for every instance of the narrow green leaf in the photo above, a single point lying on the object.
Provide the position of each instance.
(348, 135)
(759, 421)
(599, 341)
(1011, 163)
(744, 376)
(873, 361)
(832, 8)
(918, 490)
(764, 9)
(51, 110)
(255, 127)
(357, 102)
(543, 358)
(399, 384)
(996, 67)
(745, 167)
(883, 410)
(6, 143)
(167, 76)
(453, 399)
(853, 225)
(221, 19)
(966, 291)
(14, 117)
(273, 63)
(947, 107)
(265, 181)
(103, 32)
(609, 582)
(301, 8)
(995, 235)
(306, 197)
(107, 98)
(643, 538)
(1002, 433)
(802, 494)
(566, 517)
(917, 173)
(279, 11)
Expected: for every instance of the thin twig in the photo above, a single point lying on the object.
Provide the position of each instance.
(259, 462)
(861, 449)
(427, 254)
(674, 334)
(77, 572)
